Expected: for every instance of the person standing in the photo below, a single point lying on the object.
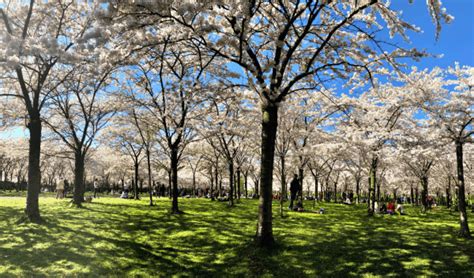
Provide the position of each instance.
(96, 188)
(60, 189)
(294, 187)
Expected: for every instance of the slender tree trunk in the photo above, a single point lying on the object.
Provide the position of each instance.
(257, 187)
(34, 170)
(283, 178)
(372, 185)
(218, 183)
(378, 192)
(416, 196)
(412, 195)
(231, 182)
(264, 235)
(448, 193)
(174, 179)
(246, 175)
(194, 183)
(357, 190)
(148, 162)
(211, 174)
(315, 190)
(300, 190)
(79, 189)
(135, 186)
(170, 184)
(464, 226)
(238, 183)
(335, 192)
(424, 192)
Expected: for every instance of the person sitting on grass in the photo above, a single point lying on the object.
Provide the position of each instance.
(400, 209)
(391, 208)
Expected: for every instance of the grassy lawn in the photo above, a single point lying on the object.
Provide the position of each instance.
(115, 237)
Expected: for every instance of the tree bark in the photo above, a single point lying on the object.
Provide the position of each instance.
(34, 170)
(424, 192)
(464, 226)
(231, 182)
(300, 190)
(412, 195)
(372, 184)
(264, 235)
(246, 175)
(135, 185)
(174, 181)
(79, 189)
(238, 183)
(148, 162)
(357, 190)
(448, 193)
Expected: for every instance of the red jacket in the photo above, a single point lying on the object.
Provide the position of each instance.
(391, 206)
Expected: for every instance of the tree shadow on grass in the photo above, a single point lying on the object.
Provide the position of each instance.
(110, 237)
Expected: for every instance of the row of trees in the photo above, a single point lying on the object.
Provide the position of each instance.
(184, 72)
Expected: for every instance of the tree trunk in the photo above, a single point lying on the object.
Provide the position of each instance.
(135, 185)
(412, 195)
(283, 178)
(335, 192)
(357, 190)
(79, 189)
(211, 174)
(315, 190)
(238, 183)
(194, 183)
(300, 190)
(416, 196)
(264, 235)
(372, 184)
(34, 170)
(148, 162)
(448, 194)
(424, 192)
(231, 182)
(246, 175)
(464, 226)
(170, 184)
(174, 181)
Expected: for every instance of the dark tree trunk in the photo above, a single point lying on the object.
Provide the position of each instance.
(335, 192)
(211, 174)
(416, 196)
(135, 185)
(448, 193)
(424, 192)
(79, 189)
(231, 182)
(412, 195)
(357, 190)
(372, 184)
(238, 183)
(218, 183)
(464, 226)
(283, 178)
(264, 235)
(300, 190)
(150, 188)
(170, 184)
(315, 190)
(174, 180)
(34, 170)
(246, 175)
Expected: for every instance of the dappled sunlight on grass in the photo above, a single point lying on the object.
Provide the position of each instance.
(119, 237)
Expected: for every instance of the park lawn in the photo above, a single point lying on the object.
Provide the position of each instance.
(115, 237)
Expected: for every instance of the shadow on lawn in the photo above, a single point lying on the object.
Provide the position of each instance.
(128, 238)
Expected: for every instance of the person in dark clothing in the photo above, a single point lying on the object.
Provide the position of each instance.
(294, 187)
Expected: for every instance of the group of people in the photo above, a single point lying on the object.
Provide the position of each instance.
(390, 208)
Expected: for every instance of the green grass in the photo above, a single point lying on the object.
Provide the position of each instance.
(114, 237)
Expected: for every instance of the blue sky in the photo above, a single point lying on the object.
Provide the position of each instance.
(456, 41)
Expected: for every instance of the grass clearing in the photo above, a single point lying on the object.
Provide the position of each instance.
(115, 237)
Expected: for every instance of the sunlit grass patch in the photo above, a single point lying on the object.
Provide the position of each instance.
(116, 237)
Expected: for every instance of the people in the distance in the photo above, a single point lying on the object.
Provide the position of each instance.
(391, 207)
(96, 188)
(294, 187)
(400, 209)
(60, 189)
